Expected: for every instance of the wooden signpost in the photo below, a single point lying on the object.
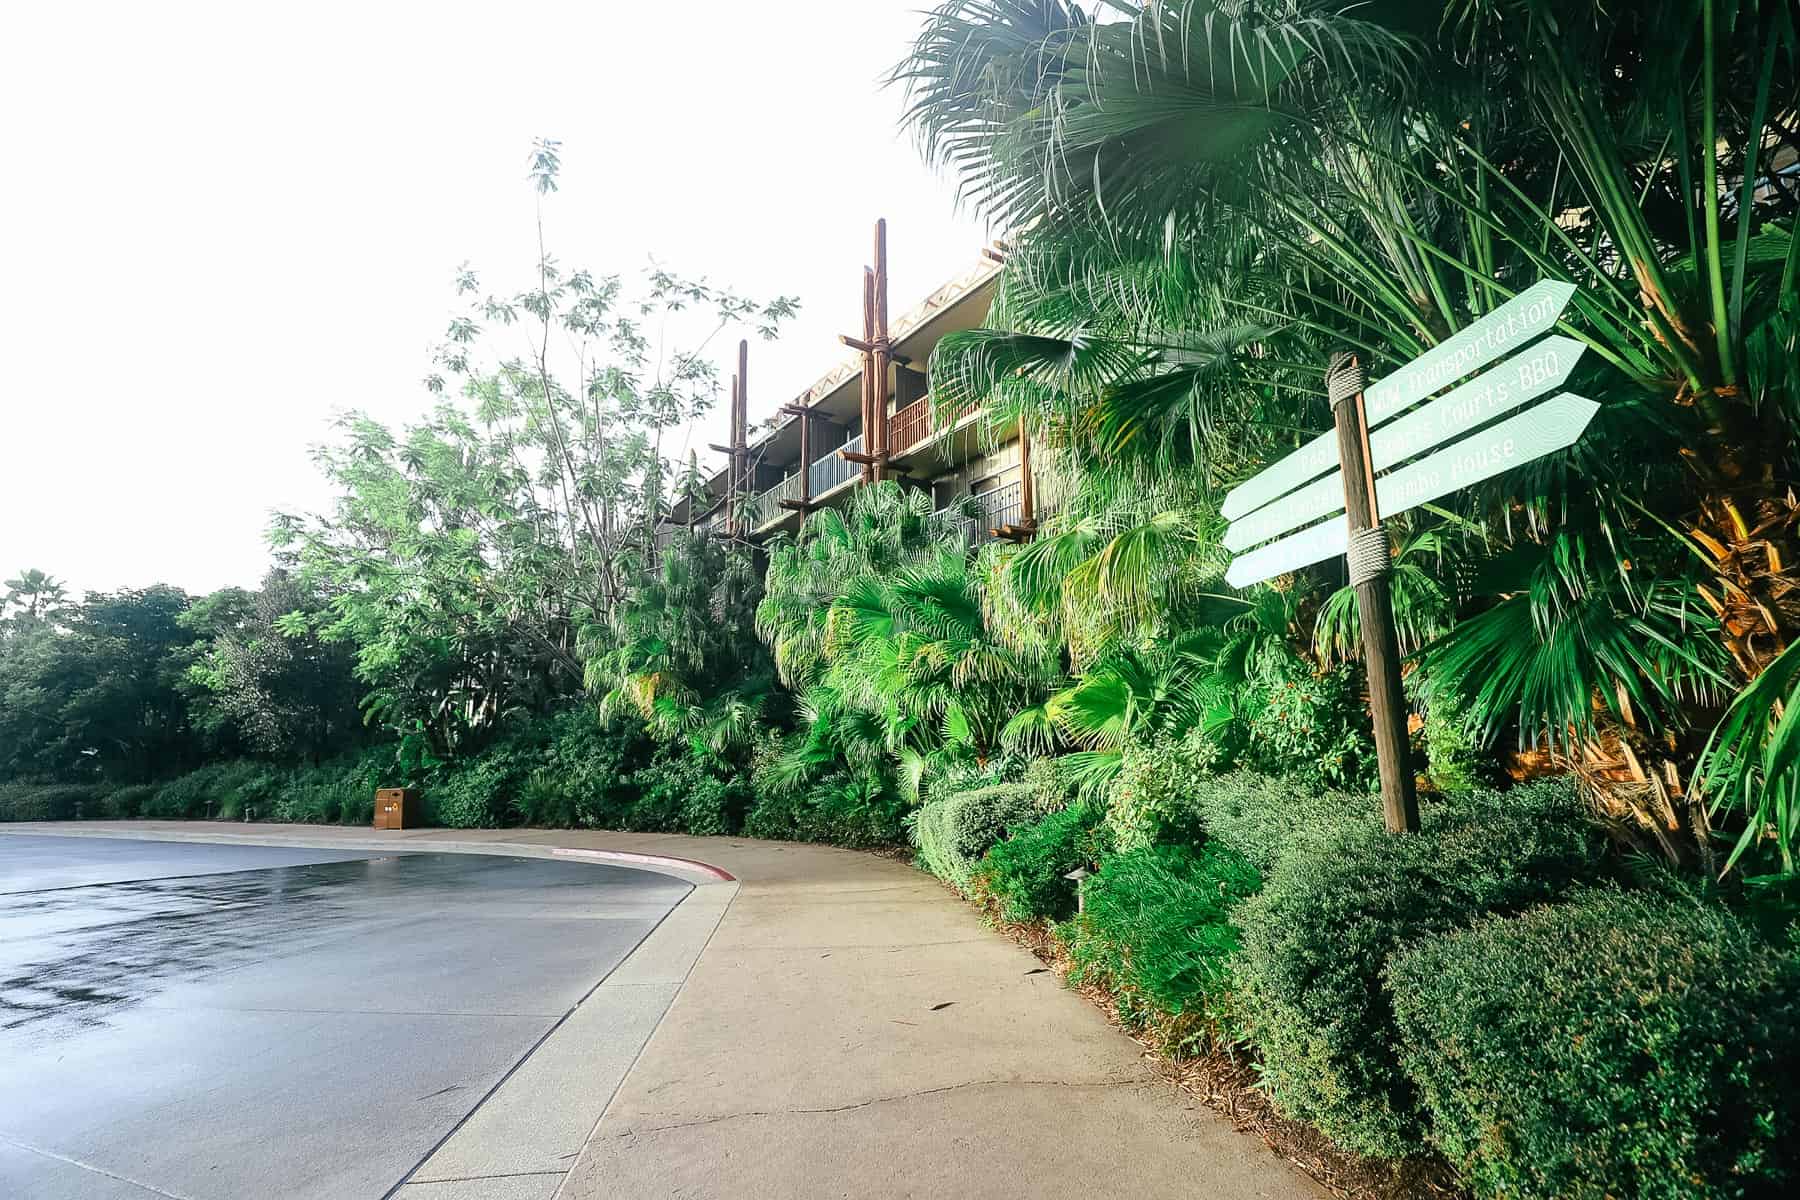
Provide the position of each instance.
(1386, 456)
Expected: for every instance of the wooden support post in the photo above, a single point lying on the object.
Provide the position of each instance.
(878, 356)
(806, 456)
(1369, 571)
(868, 375)
(1027, 489)
(731, 470)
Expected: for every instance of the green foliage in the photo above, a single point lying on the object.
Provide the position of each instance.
(1311, 725)
(1612, 1045)
(1156, 932)
(1450, 736)
(1267, 818)
(477, 793)
(843, 807)
(126, 803)
(681, 791)
(22, 800)
(1152, 800)
(1317, 940)
(952, 830)
(1024, 873)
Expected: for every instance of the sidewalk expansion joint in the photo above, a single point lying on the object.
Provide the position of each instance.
(878, 1100)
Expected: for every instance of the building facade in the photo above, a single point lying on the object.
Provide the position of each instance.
(873, 416)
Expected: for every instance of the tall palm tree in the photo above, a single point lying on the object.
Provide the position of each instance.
(34, 593)
(1375, 177)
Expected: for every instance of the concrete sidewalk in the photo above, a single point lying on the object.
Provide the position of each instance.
(841, 1026)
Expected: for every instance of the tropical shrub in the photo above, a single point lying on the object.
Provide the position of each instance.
(1450, 736)
(1611, 1045)
(1156, 931)
(1317, 939)
(337, 791)
(123, 804)
(952, 832)
(22, 801)
(1267, 817)
(219, 790)
(476, 793)
(681, 791)
(1152, 799)
(1311, 725)
(1023, 874)
(845, 808)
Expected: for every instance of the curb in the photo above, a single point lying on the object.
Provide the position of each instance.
(690, 870)
(647, 860)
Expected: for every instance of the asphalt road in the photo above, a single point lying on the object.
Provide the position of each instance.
(207, 1021)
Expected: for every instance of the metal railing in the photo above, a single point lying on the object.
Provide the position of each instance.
(993, 510)
(832, 470)
(766, 508)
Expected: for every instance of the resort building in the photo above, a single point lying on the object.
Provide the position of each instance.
(872, 417)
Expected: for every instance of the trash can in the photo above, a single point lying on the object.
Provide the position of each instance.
(396, 808)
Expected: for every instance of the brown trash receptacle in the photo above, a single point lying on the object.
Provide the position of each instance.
(396, 808)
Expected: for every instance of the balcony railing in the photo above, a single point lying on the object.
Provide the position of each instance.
(766, 508)
(914, 424)
(994, 510)
(833, 470)
(909, 426)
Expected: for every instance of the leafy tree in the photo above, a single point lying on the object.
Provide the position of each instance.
(467, 552)
(268, 675)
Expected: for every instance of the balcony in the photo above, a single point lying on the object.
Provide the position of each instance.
(832, 471)
(914, 425)
(996, 509)
(764, 510)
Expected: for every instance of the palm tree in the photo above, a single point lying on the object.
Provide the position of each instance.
(35, 594)
(1209, 196)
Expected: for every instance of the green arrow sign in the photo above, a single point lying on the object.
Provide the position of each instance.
(1520, 378)
(1532, 312)
(1540, 430)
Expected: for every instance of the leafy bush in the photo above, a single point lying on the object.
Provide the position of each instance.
(1152, 800)
(681, 791)
(1613, 1045)
(953, 831)
(1316, 942)
(477, 792)
(340, 790)
(126, 803)
(1156, 931)
(221, 790)
(1266, 817)
(21, 801)
(1024, 873)
(857, 809)
(593, 764)
(1311, 726)
(1451, 734)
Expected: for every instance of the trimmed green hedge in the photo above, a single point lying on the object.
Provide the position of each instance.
(1024, 873)
(1156, 931)
(1267, 818)
(953, 831)
(1615, 1045)
(1317, 940)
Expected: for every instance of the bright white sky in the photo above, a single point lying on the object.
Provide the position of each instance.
(221, 223)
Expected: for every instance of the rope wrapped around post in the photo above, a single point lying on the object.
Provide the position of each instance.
(1344, 378)
(1368, 555)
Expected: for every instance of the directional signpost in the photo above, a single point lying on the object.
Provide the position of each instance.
(1389, 454)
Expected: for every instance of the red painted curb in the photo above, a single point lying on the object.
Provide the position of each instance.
(652, 860)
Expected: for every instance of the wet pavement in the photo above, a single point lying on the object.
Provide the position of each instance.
(201, 1021)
